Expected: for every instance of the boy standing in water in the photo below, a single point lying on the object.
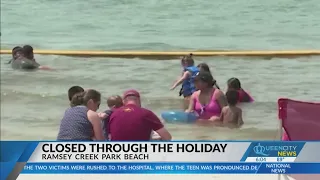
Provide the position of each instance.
(187, 79)
(231, 114)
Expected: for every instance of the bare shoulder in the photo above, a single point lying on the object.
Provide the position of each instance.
(195, 94)
(92, 115)
(218, 92)
(225, 109)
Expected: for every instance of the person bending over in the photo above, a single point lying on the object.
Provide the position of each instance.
(131, 122)
(81, 122)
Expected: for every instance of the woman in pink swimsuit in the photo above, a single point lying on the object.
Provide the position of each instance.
(207, 101)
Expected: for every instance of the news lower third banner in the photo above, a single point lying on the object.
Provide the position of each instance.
(194, 157)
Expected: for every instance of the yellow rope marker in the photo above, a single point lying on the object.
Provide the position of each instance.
(174, 54)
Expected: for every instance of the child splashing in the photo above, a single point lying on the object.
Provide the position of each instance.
(234, 84)
(187, 79)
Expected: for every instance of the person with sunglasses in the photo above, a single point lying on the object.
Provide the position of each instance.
(81, 122)
(208, 101)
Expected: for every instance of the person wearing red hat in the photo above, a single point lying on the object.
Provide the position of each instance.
(132, 122)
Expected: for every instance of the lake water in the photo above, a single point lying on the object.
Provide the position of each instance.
(32, 103)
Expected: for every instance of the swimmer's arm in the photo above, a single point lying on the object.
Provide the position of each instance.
(9, 61)
(96, 124)
(45, 68)
(240, 120)
(183, 77)
(191, 103)
(157, 126)
(155, 136)
(222, 114)
(102, 115)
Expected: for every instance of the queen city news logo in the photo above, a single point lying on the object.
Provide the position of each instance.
(275, 150)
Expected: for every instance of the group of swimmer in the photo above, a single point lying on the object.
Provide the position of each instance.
(126, 120)
(203, 96)
(23, 58)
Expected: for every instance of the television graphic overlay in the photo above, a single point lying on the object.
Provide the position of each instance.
(176, 157)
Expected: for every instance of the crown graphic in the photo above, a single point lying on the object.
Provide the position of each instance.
(259, 149)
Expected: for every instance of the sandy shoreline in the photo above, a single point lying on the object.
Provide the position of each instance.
(161, 177)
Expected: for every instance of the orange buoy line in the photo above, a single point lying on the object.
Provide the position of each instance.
(173, 54)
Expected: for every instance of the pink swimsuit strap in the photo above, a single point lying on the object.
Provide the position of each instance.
(210, 109)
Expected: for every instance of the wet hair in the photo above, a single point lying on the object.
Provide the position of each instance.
(188, 60)
(115, 101)
(27, 50)
(205, 77)
(232, 97)
(15, 49)
(234, 83)
(74, 90)
(83, 98)
(204, 66)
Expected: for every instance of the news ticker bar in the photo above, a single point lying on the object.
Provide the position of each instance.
(171, 168)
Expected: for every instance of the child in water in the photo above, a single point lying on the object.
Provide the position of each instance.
(113, 102)
(74, 90)
(243, 96)
(205, 67)
(187, 79)
(231, 115)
